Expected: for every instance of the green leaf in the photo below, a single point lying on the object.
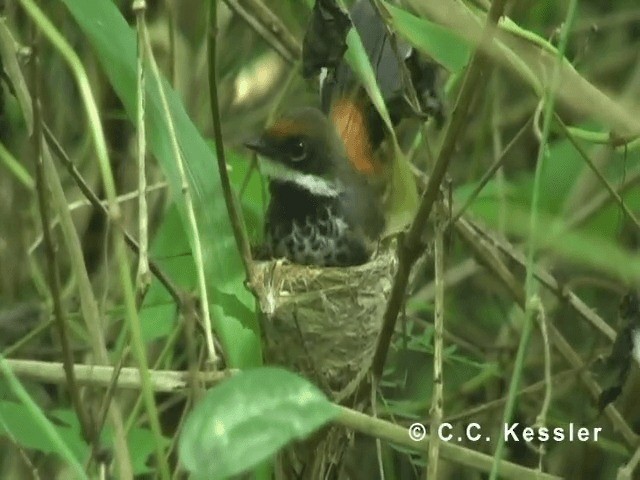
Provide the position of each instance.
(402, 202)
(170, 250)
(114, 43)
(579, 247)
(28, 422)
(446, 48)
(140, 440)
(9, 63)
(17, 422)
(403, 199)
(255, 195)
(247, 419)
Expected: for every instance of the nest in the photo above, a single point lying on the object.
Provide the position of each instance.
(324, 322)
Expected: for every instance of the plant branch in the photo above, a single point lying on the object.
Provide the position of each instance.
(143, 278)
(490, 172)
(88, 302)
(38, 416)
(398, 435)
(239, 230)
(531, 284)
(128, 378)
(188, 203)
(99, 205)
(51, 255)
(601, 200)
(585, 156)
(438, 327)
(268, 26)
(410, 246)
(173, 381)
(488, 257)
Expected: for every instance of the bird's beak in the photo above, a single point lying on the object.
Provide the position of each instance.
(259, 146)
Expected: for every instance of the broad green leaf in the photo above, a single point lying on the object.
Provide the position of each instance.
(402, 202)
(16, 420)
(140, 440)
(247, 419)
(446, 48)
(114, 43)
(170, 251)
(27, 416)
(255, 194)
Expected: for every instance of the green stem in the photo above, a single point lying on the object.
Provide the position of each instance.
(40, 419)
(100, 144)
(530, 282)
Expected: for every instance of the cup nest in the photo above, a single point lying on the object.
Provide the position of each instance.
(324, 322)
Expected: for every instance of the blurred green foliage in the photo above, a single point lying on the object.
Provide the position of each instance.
(595, 258)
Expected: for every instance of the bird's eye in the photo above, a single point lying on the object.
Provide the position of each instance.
(298, 150)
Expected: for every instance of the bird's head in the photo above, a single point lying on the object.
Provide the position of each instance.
(302, 147)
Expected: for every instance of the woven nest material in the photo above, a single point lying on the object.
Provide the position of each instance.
(324, 322)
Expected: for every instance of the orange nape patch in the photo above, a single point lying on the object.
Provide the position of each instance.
(287, 127)
(351, 124)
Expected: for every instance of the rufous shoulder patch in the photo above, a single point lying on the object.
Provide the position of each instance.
(351, 125)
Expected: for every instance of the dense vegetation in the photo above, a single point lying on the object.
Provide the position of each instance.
(531, 242)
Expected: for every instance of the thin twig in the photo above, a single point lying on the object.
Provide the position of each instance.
(450, 451)
(438, 327)
(488, 256)
(563, 377)
(601, 200)
(51, 254)
(143, 277)
(482, 242)
(626, 472)
(239, 230)
(188, 203)
(94, 125)
(546, 279)
(269, 27)
(537, 307)
(410, 246)
(88, 303)
(100, 206)
(585, 156)
(490, 172)
(373, 399)
(38, 416)
(128, 378)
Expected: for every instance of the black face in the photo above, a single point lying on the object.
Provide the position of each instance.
(297, 149)
(296, 152)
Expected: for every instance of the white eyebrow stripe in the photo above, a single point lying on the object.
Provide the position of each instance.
(311, 183)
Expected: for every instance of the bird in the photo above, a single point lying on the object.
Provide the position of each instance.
(345, 100)
(329, 174)
(322, 210)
